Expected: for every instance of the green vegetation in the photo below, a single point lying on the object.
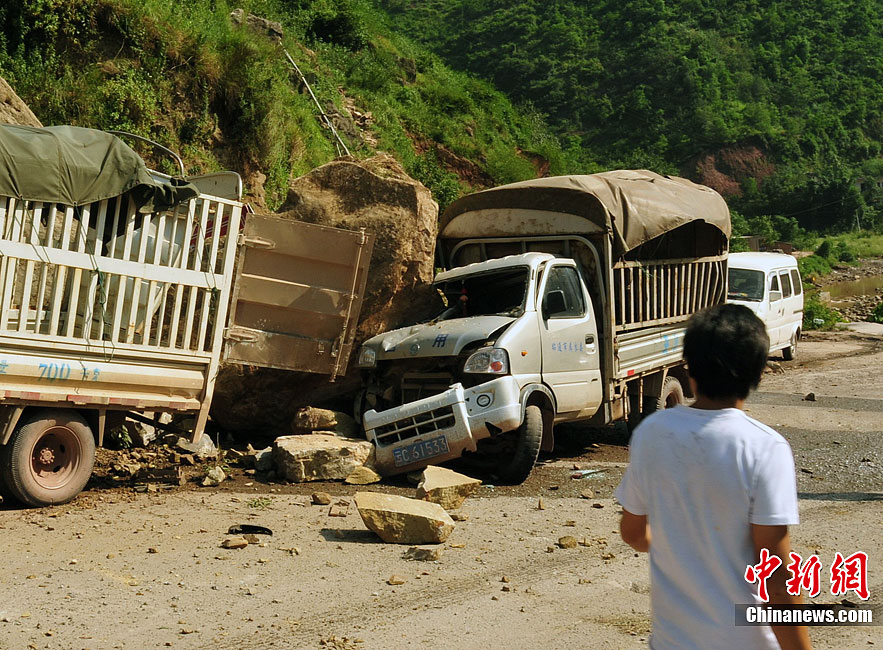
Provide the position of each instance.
(782, 96)
(183, 74)
(877, 314)
(817, 315)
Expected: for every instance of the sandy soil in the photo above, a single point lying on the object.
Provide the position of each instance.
(121, 569)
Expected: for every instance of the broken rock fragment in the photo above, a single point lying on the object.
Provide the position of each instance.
(318, 457)
(400, 520)
(424, 553)
(445, 487)
(310, 418)
(363, 475)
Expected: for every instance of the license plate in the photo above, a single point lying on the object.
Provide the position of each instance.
(420, 451)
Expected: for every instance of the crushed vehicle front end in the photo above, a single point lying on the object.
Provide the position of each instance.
(434, 390)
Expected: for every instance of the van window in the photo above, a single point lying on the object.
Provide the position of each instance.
(745, 284)
(774, 282)
(786, 284)
(795, 280)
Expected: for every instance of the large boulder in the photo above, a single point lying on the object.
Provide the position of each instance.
(374, 194)
(13, 110)
(400, 520)
(378, 195)
(318, 457)
(445, 487)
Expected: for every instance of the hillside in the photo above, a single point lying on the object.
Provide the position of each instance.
(223, 95)
(775, 104)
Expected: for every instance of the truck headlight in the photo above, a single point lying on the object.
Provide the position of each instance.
(367, 357)
(493, 361)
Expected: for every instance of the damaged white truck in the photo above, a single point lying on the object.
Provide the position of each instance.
(566, 299)
(118, 294)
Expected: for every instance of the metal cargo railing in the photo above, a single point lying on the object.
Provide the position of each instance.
(649, 293)
(105, 275)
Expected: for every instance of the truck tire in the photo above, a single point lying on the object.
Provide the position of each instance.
(49, 458)
(527, 447)
(671, 395)
(789, 352)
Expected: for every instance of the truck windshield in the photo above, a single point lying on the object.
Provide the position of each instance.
(493, 293)
(745, 284)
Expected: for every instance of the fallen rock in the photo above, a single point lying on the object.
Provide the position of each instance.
(234, 542)
(13, 110)
(587, 494)
(424, 553)
(400, 520)
(321, 498)
(363, 475)
(445, 487)
(395, 580)
(340, 508)
(809, 397)
(309, 419)
(568, 541)
(263, 460)
(318, 457)
(214, 476)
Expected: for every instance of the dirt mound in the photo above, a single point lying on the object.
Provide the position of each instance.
(377, 195)
(13, 110)
(724, 170)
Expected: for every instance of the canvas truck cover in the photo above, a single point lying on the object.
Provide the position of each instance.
(77, 166)
(633, 206)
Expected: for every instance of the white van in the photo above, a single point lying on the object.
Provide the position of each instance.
(769, 284)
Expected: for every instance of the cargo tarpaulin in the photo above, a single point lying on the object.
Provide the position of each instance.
(633, 206)
(77, 166)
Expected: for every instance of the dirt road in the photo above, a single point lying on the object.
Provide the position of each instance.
(117, 569)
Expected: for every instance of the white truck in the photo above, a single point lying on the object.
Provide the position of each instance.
(117, 294)
(565, 299)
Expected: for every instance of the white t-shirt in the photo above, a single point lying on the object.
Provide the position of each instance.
(701, 477)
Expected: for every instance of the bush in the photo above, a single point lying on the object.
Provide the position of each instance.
(844, 252)
(813, 266)
(818, 316)
(877, 314)
(824, 249)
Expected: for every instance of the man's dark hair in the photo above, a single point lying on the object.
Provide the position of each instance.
(726, 349)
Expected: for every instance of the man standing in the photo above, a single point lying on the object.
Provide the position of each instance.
(715, 487)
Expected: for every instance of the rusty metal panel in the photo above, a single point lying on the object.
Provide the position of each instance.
(297, 297)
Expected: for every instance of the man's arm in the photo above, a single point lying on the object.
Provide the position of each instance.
(635, 531)
(776, 540)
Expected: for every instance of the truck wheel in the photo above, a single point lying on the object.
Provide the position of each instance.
(49, 458)
(672, 394)
(789, 352)
(527, 447)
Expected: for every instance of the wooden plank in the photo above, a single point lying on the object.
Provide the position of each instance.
(77, 275)
(132, 319)
(197, 266)
(60, 272)
(212, 267)
(31, 220)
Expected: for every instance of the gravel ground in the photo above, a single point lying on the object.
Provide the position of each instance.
(121, 569)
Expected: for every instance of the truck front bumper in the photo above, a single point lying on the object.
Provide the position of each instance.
(439, 428)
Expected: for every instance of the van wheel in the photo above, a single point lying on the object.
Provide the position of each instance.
(527, 447)
(49, 458)
(789, 352)
(672, 394)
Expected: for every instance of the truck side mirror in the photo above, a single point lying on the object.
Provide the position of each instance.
(554, 303)
(775, 295)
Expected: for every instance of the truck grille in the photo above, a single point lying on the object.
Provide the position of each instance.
(411, 427)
